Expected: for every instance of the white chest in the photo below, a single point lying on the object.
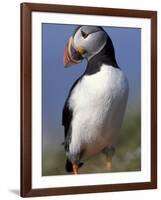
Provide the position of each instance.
(98, 102)
(98, 89)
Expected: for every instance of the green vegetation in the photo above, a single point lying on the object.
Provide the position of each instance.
(126, 158)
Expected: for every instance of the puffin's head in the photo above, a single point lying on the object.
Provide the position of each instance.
(85, 42)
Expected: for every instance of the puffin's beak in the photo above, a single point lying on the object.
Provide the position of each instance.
(71, 56)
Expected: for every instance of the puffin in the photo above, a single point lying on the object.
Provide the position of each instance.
(95, 106)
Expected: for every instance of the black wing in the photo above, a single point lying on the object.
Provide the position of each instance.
(66, 122)
(67, 118)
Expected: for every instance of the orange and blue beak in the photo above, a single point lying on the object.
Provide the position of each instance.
(71, 55)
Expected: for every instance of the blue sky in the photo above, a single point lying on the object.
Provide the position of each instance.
(57, 80)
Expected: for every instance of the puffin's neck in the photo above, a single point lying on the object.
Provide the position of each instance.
(105, 56)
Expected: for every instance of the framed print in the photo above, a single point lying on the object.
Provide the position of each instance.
(88, 99)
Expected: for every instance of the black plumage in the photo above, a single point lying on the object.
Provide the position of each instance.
(105, 56)
(66, 122)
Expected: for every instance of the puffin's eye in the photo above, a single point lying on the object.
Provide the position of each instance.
(84, 35)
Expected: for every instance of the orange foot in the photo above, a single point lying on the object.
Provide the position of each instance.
(75, 168)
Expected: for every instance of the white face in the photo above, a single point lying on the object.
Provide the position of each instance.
(90, 38)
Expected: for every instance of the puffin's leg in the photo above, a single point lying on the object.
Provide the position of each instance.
(75, 168)
(109, 151)
(109, 163)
